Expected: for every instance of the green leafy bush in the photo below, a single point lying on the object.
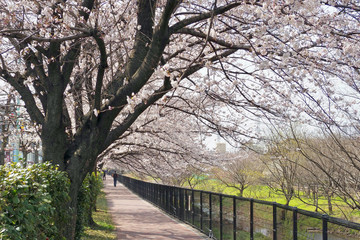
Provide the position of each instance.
(33, 202)
(88, 193)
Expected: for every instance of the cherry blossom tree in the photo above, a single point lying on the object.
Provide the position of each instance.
(86, 70)
(159, 147)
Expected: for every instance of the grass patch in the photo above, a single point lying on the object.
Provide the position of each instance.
(105, 229)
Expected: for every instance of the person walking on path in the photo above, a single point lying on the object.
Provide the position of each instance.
(115, 176)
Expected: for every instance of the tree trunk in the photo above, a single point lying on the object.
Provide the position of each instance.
(316, 202)
(25, 158)
(3, 146)
(330, 204)
(69, 230)
(81, 163)
(289, 195)
(287, 201)
(2, 157)
(241, 191)
(54, 152)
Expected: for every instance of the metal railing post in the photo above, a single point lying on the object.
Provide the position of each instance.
(251, 219)
(146, 190)
(295, 223)
(152, 192)
(193, 206)
(172, 200)
(163, 196)
(274, 222)
(158, 198)
(161, 189)
(210, 211)
(201, 210)
(186, 206)
(221, 217)
(175, 202)
(167, 199)
(157, 194)
(325, 219)
(234, 218)
(181, 204)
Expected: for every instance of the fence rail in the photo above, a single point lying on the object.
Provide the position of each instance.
(230, 217)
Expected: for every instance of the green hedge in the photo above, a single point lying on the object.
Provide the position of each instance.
(30, 200)
(88, 193)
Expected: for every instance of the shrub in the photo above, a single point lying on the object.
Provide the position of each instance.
(88, 193)
(33, 201)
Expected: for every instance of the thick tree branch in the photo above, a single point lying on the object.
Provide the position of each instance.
(27, 38)
(119, 130)
(221, 42)
(89, 4)
(188, 21)
(35, 68)
(69, 62)
(78, 99)
(30, 104)
(143, 38)
(101, 70)
(147, 67)
(138, 80)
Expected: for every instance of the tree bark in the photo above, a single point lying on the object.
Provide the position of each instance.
(2, 157)
(70, 228)
(329, 204)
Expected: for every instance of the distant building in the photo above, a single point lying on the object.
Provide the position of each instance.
(12, 125)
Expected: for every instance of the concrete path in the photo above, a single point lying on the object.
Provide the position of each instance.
(137, 219)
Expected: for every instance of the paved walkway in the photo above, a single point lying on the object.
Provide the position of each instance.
(137, 219)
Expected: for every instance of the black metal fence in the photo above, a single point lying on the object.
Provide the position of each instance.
(229, 217)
